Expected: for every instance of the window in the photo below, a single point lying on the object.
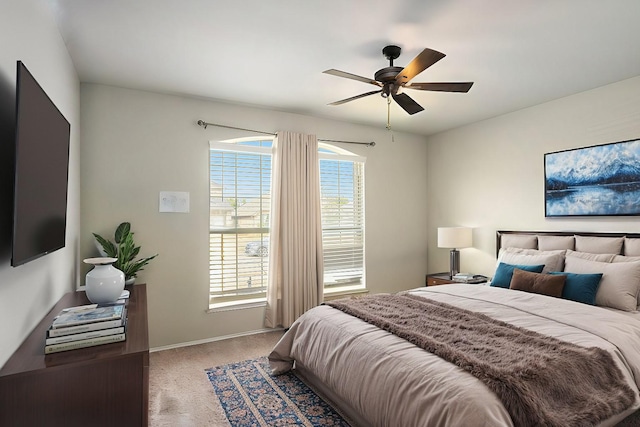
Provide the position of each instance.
(240, 201)
(342, 205)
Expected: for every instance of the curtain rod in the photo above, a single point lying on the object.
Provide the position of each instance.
(205, 124)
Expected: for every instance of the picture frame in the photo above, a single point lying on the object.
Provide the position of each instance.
(599, 180)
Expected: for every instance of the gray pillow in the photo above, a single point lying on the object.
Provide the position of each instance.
(620, 282)
(631, 247)
(554, 243)
(622, 258)
(591, 257)
(599, 245)
(525, 241)
(552, 260)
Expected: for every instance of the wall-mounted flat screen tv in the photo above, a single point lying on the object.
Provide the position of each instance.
(41, 172)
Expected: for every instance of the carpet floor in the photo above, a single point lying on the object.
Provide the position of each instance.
(180, 395)
(251, 396)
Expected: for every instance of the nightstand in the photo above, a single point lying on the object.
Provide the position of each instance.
(445, 279)
(438, 279)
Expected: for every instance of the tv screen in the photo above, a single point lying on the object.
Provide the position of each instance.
(41, 172)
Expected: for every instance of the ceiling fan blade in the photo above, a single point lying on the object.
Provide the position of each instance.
(424, 60)
(346, 75)
(442, 87)
(355, 97)
(407, 103)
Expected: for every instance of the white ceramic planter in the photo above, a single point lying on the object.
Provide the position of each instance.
(104, 283)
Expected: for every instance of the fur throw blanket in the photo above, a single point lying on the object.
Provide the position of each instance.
(541, 380)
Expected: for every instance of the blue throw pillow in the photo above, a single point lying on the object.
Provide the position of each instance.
(502, 277)
(580, 287)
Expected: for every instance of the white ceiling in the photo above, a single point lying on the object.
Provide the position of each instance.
(272, 53)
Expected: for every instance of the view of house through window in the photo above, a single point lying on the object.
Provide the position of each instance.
(240, 201)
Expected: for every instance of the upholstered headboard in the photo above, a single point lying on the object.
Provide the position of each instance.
(617, 243)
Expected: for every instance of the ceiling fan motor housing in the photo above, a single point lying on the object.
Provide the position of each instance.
(387, 74)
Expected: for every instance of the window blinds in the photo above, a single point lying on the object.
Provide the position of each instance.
(342, 206)
(239, 221)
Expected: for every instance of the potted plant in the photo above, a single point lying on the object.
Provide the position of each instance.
(125, 250)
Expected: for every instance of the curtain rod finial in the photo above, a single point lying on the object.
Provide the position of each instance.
(372, 144)
(201, 123)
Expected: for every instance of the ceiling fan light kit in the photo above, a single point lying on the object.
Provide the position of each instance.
(391, 80)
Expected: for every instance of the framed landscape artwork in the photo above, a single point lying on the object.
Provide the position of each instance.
(602, 180)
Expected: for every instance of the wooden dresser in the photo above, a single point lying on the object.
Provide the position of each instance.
(106, 385)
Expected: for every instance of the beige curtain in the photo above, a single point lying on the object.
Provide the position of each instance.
(295, 263)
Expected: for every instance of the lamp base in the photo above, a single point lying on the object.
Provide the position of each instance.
(454, 262)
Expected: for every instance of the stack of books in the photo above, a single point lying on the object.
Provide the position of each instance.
(87, 326)
(469, 278)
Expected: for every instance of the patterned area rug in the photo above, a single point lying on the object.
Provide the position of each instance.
(251, 396)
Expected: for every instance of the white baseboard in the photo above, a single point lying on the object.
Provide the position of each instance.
(207, 340)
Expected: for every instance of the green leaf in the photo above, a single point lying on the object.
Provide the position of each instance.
(126, 250)
(133, 268)
(108, 247)
(136, 251)
(122, 231)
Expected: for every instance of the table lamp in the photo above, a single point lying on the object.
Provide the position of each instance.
(454, 238)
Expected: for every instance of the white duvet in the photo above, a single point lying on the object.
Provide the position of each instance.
(388, 381)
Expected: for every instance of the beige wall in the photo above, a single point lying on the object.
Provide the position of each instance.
(487, 175)
(490, 175)
(137, 143)
(29, 33)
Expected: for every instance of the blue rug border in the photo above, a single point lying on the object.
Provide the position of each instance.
(239, 414)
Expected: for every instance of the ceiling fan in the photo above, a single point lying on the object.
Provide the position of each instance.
(390, 79)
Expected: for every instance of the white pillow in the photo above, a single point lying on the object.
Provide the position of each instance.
(554, 243)
(599, 245)
(592, 257)
(552, 260)
(620, 282)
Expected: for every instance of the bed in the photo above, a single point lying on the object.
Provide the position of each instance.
(376, 378)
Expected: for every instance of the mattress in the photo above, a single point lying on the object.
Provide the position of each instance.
(379, 379)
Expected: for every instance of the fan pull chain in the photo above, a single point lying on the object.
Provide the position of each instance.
(389, 119)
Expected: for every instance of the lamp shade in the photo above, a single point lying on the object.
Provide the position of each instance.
(454, 237)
